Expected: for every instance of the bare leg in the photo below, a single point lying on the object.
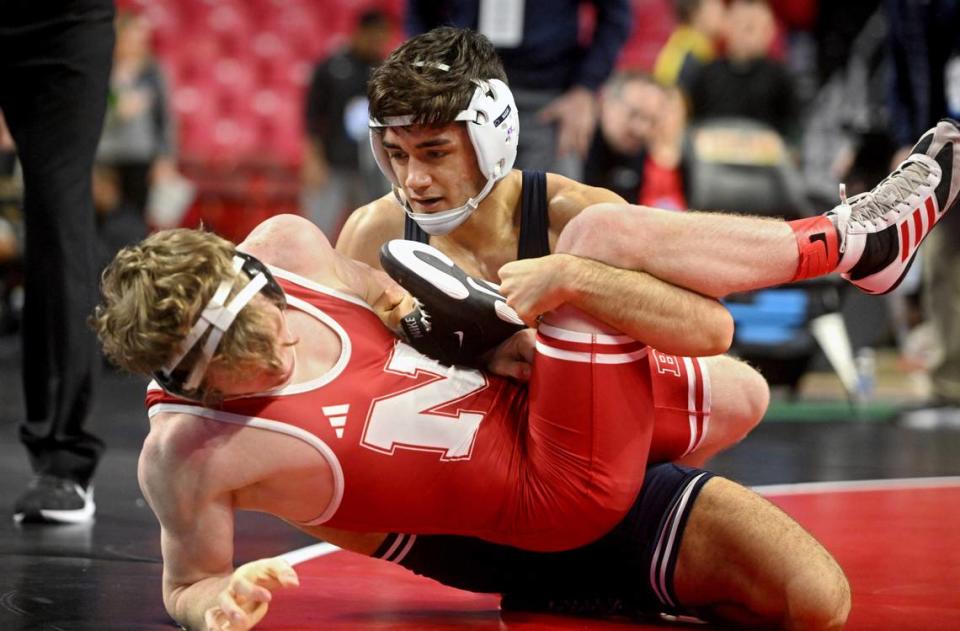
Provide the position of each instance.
(744, 561)
(711, 253)
(739, 398)
(740, 395)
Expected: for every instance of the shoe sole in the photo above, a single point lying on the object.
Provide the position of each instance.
(57, 516)
(437, 281)
(54, 516)
(909, 264)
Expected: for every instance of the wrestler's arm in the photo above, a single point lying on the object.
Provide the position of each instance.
(369, 227)
(201, 588)
(669, 318)
(297, 245)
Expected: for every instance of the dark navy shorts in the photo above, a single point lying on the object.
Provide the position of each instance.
(629, 571)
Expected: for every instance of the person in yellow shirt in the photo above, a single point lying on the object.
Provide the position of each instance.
(700, 24)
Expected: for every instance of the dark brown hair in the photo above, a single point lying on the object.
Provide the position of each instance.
(411, 82)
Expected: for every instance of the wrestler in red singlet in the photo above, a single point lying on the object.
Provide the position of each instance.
(416, 446)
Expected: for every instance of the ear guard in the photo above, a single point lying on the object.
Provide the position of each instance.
(218, 315)
(493, 125)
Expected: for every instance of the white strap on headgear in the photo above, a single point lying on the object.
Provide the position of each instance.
(218, 315)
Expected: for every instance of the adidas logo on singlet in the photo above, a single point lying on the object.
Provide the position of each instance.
(337, 415)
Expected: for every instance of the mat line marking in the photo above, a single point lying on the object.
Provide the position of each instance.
(309, 552)
(842, 486)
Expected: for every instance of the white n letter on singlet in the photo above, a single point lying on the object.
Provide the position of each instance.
(406, 419)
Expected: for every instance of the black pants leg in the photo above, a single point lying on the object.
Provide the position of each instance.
(134, 184)
(55, 59)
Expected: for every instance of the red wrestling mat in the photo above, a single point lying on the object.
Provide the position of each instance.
(898, 541)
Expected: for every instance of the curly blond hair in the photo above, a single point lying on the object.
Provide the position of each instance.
(153, 293)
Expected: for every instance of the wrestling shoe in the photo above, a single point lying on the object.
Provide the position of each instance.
(458, 317)
(51, 499)
(880, 230)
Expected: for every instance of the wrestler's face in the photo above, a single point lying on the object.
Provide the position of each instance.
(436, 166)
(236, 383)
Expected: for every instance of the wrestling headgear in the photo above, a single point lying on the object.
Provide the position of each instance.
(219, 315)
(493, 126)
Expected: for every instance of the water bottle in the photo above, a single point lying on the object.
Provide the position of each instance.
(866, 374)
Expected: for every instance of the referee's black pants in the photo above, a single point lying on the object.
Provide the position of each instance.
(55, 59)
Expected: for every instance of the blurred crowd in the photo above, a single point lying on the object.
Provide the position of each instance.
(761, 106)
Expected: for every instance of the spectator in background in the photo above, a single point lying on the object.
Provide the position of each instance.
(637, 147)
(11, 232)
(664, 183)
(339, 173)
(553, 78)
(746, 82)
(9, 194)
(57, 55)
(925, 46)
(118, 223)
(139, 134)
(693, 43)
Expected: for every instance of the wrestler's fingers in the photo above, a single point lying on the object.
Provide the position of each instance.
(245, 590)
(526, 312)
(514, 369)
(228, 604)
(214, 619)
(526, 342)
(283, 573)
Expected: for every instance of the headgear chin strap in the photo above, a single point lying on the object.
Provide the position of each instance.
(493, 126)
(217, 315)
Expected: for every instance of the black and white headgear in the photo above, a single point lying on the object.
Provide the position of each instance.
(217, 317)
(493, 126)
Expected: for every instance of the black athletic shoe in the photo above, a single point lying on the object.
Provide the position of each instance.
(54, 500)
(458, 317)
(880, 230)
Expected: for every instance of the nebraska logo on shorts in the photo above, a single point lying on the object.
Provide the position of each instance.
(666, 364)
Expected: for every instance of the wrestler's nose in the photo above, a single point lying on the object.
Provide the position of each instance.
(418, 175)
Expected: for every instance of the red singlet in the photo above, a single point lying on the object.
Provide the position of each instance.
(418, 447)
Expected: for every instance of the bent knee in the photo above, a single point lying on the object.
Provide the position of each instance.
(741, 395)
(819, 601)
(607, 232)
(756, 395)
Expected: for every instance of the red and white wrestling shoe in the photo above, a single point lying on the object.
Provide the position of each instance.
(880, 230)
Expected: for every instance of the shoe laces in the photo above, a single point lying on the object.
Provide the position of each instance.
(868, 209)
(425, 316)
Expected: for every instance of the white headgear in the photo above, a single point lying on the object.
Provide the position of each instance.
(493, 126)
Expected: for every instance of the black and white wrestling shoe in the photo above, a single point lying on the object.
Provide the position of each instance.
(881, 230)
(458, 317)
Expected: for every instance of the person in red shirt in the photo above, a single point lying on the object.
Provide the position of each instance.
(284, 393)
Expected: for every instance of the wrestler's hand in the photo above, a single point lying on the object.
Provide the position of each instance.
(534, 286)
(247, 597)
(393, 304)
(513, 358)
